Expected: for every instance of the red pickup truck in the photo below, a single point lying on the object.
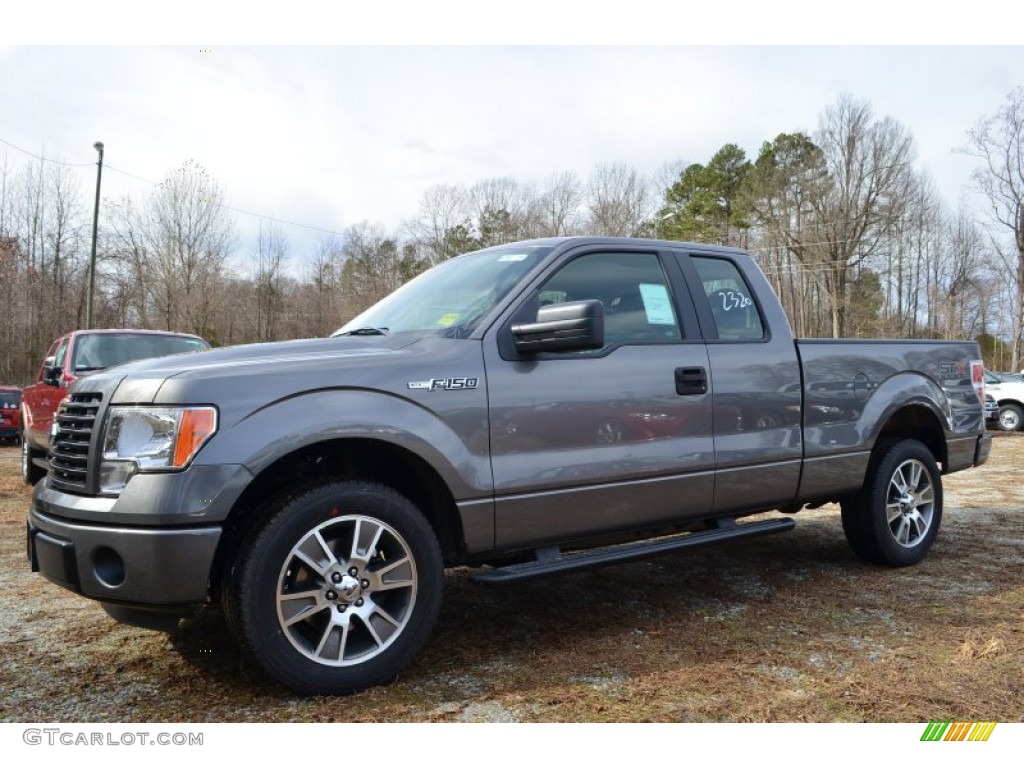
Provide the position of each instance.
(74, 355)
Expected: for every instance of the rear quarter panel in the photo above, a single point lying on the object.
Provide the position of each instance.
(853, 388)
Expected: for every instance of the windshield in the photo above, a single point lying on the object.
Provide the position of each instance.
(10, 398)
(451, 298)
(104, 350)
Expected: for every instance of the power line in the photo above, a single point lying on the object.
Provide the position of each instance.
(238, 210)
(284, 221)
(156, 183)
(44, 159)
(125, 173)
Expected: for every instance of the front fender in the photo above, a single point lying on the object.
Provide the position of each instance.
(454, 441)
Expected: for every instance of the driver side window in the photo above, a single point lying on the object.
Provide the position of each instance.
(632, 288)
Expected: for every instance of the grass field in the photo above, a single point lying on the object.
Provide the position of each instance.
(785, 628)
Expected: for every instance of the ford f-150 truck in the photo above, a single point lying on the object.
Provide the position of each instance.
(528, 410)
(77, 354)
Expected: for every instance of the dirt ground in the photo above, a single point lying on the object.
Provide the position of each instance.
(789, 627)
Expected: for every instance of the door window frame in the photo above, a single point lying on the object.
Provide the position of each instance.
(685, 314)
(702, 302)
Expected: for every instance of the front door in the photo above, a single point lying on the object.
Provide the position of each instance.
(612, 439)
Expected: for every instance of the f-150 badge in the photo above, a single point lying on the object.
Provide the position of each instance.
(452, 382)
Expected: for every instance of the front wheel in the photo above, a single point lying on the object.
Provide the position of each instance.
(1010, 418)
(895, 517)
(30, 472)
(338, 590)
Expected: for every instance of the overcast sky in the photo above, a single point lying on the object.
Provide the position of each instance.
(332, 136)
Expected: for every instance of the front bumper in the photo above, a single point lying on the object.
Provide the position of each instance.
(145, 554)
(166, 570)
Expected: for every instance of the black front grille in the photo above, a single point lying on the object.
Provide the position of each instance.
(69, 448)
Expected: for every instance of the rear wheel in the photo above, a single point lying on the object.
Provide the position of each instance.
(895, 517)
(30, 472)
(339, 588)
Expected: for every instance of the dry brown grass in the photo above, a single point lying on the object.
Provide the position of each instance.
(785, 628)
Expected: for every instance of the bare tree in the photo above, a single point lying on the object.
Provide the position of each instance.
(268, 274)
(558, 209)
(325, 287)
(834, 203)
(442, 227)
(869, 167)
(960, 280)
(373, 265)
(40, 245)
(998, 141)
(175, 244)
(618, 201)
(501, 209)
(909, 257)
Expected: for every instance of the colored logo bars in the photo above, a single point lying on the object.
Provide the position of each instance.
(946, 731)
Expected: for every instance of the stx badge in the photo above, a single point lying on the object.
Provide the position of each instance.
(958, 368)
(452, 382)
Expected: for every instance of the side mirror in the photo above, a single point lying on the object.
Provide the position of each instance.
(51, 372)
(575, 325)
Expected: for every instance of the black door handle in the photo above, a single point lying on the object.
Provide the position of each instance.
(691, 381)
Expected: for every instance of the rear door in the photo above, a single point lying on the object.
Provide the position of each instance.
(756, 379)
(610, 439)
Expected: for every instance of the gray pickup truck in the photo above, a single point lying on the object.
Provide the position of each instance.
(528, 410)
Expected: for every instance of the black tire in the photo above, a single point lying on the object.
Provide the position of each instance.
(30, 472)
(896, 516)
(852, 515)
(337, 589)
(1010, 418)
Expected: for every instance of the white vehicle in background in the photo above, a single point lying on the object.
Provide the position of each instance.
(1008, 392)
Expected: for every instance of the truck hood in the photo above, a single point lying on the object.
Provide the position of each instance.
(270, 355)
(140, 381)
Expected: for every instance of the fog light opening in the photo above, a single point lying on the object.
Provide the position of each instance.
(108, 566)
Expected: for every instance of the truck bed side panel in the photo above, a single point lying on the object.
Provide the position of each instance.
(853, 388)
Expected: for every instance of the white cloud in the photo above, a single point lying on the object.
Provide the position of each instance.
(336, 135)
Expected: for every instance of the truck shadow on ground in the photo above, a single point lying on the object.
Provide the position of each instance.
(488, 636)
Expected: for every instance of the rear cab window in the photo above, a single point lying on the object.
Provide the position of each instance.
(733, 308)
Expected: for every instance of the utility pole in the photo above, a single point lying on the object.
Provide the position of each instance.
(98, 146)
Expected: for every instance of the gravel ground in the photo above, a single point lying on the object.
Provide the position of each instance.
(784, 628)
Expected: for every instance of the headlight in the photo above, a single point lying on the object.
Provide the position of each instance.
(141, 438)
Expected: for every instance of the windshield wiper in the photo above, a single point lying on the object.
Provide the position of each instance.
(366, 332)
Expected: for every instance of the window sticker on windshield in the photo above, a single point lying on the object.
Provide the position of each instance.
(513, 257)
(657, 304)
(445, 320)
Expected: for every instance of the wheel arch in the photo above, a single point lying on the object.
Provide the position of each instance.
(372, 460)
(915, 421)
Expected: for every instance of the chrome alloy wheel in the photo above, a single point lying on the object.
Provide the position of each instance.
(346, 590)
(910, 503)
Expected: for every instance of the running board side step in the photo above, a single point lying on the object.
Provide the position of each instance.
(551, 562)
